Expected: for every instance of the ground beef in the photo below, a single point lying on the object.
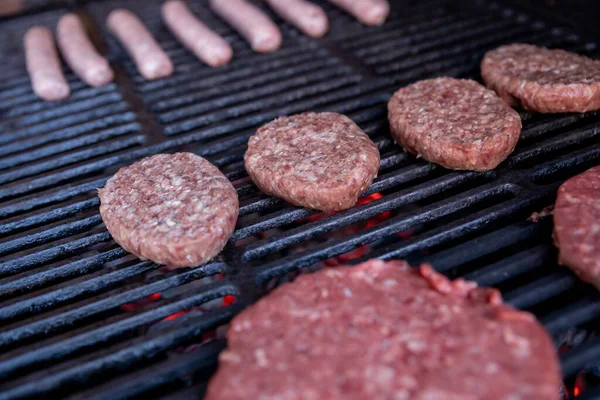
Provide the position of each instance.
(174, 209)
(543, 80)
(456, 123)
(385, 331)
(322, 161)
(577, 224)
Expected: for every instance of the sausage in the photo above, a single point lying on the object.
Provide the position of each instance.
(150, 59)
(308, 17)
(79, 52)
(262, 34)
(369, 12)
(207, 45)
(43, 65)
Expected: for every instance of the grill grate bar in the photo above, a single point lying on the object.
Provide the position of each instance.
(543, 289)
(455, 230)
(393, 225)
(22, 158)
(71, 270)
(253, 120)
(105, 122)
(547, 127)
(245, 84)
(303, 81)
(234, 76)
(327, 224)
(246, 66)
(39, 106)
(393, 201)
(29, 97)
(50, 216)
(518, 264)
(414, 43)
(430, 22)
(444, 41)
(449, 55)
(110, 333)
(546, 148)
(70, 108)
(161, 374)
(50, 198)
(71, 158)
(57, 297)
(261, 104)
(42, 257)
(573, 361)
(483, 245)
(95, 166)
(425, 10)
(123, 359)
(62, 290)
(67, 123)
(572, 315)
(49, 235)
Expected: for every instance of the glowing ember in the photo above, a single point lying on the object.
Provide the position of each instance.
(141, 303)
(228, 300)
(176, 315)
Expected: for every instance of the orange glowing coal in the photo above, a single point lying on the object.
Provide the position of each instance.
(141, 303)
(227, 300)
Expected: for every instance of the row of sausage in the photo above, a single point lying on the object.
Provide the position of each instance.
(263, 35)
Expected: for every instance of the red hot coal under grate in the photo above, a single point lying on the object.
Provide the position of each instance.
(80, 318)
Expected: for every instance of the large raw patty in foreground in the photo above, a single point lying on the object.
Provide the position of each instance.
(385, 331)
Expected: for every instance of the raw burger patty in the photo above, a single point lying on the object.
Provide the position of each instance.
(322, 161)
(456, 123)
(385, 331)
(543, 80)
(174, 209)
(577, 224)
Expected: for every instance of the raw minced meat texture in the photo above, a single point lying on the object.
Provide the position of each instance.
(384, 330)
(322, 161)
(175, 209)
(456, 123)
(577, 224)
(543, 80)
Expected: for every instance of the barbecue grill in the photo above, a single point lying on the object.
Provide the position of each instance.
(83, 319)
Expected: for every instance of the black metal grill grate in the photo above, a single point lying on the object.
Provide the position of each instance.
(81, 318)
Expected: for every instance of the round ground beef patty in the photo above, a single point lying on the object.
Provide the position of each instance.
(322, 161)
(577, 224)
(543, 80)
(174, 209)
(456, 123)
(385, 331)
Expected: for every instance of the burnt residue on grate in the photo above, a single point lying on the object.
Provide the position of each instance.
(83, 319)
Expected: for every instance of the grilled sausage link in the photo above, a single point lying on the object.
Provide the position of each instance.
(207, 45)
(308, 17)
(369, 12)
(258, 30)
(43, 65)
(150, 59)
(80, 54)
